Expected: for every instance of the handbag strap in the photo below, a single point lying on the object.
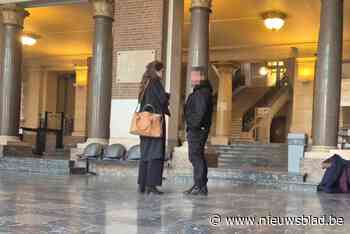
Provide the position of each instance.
(148, 105)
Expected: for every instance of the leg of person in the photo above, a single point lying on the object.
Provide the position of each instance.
(154, 176)
(194, 156)
(143, 165)
(204, 179)
(204, 188)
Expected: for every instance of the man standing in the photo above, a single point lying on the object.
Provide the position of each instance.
(198, 115)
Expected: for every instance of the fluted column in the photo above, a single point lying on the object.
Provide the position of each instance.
(33, 77)
(198, 53)
(100, 84)
(328, 76)
(173, 71)
(224, 104)
(10, 80)
(81, 91)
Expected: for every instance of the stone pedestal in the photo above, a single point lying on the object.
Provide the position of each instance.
(296, 148)
(4, 140)
(311, 166)
(180, 158)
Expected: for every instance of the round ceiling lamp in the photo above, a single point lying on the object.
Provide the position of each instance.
(29, 39)
(263, 71)
(274, 20)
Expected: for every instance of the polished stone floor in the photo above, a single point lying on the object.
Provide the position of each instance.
(34, 204)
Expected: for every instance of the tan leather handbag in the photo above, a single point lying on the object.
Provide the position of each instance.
(146, 123)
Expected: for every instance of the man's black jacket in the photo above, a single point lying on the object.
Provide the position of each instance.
(199, 107)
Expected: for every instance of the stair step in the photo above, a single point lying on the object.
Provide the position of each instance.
(268, 156)
(256, 176)
(35, 165)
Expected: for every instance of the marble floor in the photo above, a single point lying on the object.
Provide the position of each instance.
(35, 204)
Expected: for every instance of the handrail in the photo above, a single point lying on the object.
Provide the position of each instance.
(238, 80)
(249, 115)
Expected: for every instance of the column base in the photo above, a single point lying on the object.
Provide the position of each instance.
(311, 164)
(101, 141)
(79, 133)
(5, 140)
(180, 158)
(322, 148)
(126, 142)
(220, 140)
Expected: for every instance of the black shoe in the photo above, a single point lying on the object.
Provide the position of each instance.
(189, 191)
(141, 189)
(154, 190)
(204, 191)
(195, 190)
(192, 191)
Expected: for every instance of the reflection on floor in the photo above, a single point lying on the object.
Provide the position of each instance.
(32, 204)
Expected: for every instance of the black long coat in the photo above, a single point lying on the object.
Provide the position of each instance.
(155, 95)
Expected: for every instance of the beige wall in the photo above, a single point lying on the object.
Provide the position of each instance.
(303, 96)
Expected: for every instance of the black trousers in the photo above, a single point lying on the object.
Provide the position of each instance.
(150, 172)
(196, 147)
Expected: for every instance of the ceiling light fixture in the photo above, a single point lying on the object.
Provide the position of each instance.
(263, 71)
(29, 39)
(274, 20)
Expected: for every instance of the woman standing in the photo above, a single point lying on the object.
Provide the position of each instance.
(152, 149)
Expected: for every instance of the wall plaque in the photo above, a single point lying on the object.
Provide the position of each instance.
(345, 92)
(132, 64)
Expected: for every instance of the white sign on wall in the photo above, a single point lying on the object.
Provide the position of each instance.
(121, 115)
(132, 64)
(345, 92)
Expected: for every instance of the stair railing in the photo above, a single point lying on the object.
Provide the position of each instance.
(266, 100)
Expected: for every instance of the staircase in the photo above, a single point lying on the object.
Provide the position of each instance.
(241, 103)
(253, 156)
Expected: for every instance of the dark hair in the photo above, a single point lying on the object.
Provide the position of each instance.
(150, 74)
(201, 70)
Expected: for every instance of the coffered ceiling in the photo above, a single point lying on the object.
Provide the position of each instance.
(68, 29)
(64, 30)
(238, 23)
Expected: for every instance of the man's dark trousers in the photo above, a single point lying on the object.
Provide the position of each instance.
(196, 146)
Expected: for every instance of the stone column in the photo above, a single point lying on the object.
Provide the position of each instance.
(224, 105)
(10, 81)
(198, 53)
(328, 76)
(81, 90)
(100, 91)
(173, 68)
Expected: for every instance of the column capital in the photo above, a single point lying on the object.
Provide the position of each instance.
(225, 67)
(103, 8)
(12, 14)
(201, 3)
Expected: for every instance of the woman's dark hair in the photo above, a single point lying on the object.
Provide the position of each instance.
(149, 75)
